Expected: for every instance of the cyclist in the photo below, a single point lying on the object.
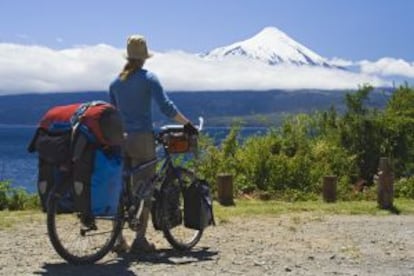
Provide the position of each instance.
(132, 92)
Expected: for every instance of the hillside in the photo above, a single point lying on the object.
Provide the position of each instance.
(218, 107)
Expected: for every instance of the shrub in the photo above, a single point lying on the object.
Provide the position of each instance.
(404, 188)
(4, 189)
(16, 198)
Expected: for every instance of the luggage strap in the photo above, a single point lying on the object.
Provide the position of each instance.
(75, 123)
(75, 119)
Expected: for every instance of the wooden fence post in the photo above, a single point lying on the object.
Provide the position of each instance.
(329, 188)
(385, 190)
(225, 189)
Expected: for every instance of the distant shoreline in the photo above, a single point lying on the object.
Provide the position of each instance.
(17, 125)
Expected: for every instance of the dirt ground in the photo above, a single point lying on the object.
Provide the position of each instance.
(295, 244)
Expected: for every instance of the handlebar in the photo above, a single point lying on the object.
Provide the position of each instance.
(179, 128)
(200, 123)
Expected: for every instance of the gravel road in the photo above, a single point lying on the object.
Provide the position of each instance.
(294, 244)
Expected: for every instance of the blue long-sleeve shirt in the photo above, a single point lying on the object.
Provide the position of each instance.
(133, 98)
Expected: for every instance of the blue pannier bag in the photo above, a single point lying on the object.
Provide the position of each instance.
(97, 179)
(106, 184)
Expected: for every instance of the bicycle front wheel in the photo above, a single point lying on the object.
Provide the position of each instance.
(180, 237)
(78, 239)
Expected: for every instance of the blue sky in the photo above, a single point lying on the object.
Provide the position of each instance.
(350, 29)
(49, 45)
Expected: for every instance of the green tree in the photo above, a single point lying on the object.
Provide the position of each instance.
(360, 132)
(398, 134)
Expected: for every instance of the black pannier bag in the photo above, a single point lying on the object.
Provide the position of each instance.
(198, 206)
(78, 150)
(166, 208)
(51, 176)
(52, 147)
(53, 165)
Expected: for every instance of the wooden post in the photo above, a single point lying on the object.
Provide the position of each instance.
(225, 189)
(385, 190)
(329, 188)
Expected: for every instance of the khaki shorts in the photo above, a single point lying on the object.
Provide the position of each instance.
(139, 148)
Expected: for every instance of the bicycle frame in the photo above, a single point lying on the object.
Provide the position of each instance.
(131, 206)
(145, 191)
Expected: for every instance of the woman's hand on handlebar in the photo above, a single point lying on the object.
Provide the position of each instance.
(190, 129)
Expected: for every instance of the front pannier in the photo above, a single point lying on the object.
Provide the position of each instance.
(198, 206)
(165, 209)
(79, 144)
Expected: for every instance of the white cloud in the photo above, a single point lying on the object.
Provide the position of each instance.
(388, 67)
(341, 62)
(182, 71)
(41, 69)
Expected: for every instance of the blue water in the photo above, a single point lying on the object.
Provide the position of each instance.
(20, 167)
(16, 164)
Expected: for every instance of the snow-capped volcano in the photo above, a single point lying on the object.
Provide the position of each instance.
(271, 46)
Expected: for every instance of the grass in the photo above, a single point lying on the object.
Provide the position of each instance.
(248, 207)
(257, 207)
(9, 219)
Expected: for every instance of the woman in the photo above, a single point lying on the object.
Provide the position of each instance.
(132, 93)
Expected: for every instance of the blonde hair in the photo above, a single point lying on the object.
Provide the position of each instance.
(131, 67)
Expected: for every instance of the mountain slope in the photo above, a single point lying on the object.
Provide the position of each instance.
(218, 108)
(271, 46)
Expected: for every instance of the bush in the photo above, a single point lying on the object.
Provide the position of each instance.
(16, 198)
(4, 189)
(404, 188)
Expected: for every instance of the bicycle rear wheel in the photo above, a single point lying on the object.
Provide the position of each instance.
(180, 237)
(81, 240)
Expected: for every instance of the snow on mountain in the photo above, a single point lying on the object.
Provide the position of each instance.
(271, 46)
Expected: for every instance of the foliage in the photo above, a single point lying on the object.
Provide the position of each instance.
(404, 188)
(16, 198)
(398, 133)
(4, 188)
(289, 162)
(359, 131)
(214, 160)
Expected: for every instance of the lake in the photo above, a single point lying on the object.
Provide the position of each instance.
(20, 167)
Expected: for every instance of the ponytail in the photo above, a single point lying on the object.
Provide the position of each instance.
(130, 67)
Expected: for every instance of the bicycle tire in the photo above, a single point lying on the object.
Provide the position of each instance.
(171, 234)
(63, 248)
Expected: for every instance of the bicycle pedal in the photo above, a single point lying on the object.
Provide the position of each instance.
(134, 224)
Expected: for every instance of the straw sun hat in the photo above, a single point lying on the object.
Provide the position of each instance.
(137, 48)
